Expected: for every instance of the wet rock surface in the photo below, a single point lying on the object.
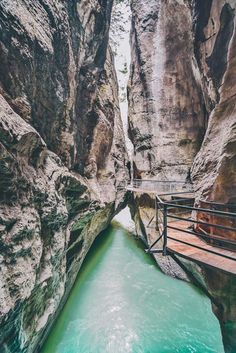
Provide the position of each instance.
(62, 156)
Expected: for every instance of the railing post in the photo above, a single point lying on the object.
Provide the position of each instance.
(156, 213)
(165, 229)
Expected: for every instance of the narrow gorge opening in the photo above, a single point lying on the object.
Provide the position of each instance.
(120, 44)
(75, 150)
(110, 306)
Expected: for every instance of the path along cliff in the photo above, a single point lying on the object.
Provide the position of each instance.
(182, 118)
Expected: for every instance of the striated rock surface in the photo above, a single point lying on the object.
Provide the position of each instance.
(215, 165)
(62, 156)
(214, 168)
(182, 118)
(166, 118)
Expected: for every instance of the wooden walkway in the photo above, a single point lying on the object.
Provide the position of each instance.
(141, 190)
(194, 254)
(176, 241)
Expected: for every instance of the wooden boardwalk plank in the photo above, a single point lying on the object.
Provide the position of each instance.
(142, 190)
(196, 254)
(190, 252)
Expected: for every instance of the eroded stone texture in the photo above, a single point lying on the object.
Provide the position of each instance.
(59, 116)
(166, 118)
(52, 55)
(182, 114)
(214, 169)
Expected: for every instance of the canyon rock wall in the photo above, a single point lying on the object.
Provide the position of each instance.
(62, 156)
(214, 169)
(182, 89)
(182, 118)
(166, 118)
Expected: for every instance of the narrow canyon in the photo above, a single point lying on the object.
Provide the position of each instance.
(93, 94)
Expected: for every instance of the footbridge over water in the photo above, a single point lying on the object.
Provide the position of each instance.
(205, 234)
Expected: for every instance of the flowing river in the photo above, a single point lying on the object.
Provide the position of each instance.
(122, 303)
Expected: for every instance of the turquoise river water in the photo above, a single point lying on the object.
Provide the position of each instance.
(122, 303)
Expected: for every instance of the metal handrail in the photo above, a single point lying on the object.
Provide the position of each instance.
(201, 248)
(226, 241)
(164, 207)
(159, 199)
(216, 212)
(161, 181)
(203, 223)
(218, 203)
(175, 193)
(181, 200)
(222, 240)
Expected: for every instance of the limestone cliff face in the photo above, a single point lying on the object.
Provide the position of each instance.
(214, 169)
(178, 79)
(62, 156)
(166, 118)
(182, 116)
(52, 56)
